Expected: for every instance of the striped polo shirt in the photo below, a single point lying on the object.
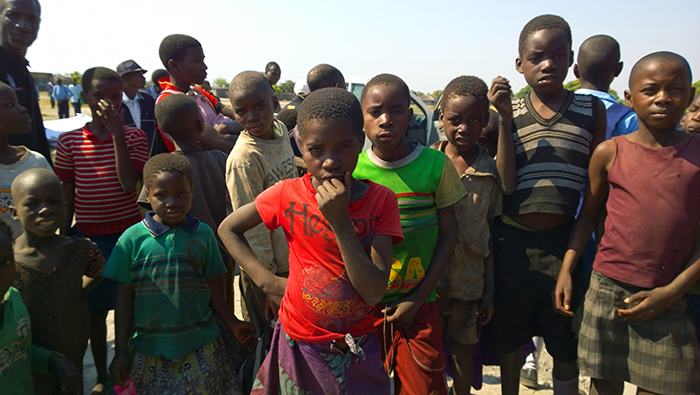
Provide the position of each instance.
(551, 155)
(101, 205)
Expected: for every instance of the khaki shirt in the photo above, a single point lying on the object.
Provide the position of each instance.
(463, 278)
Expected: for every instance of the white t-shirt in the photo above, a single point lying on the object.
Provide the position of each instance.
(8, 173)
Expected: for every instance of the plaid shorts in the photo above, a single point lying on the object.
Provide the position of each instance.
(660, 355)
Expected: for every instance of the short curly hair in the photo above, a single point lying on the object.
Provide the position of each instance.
(467, 85)
(542, 22)
(175, 47)
(163, 163)
(288, 117)
(6, 229)
(324, 76)
(334, 104)
(249, 81)
(387, 79)
(662, 56)
(176, 115)
(99, 74)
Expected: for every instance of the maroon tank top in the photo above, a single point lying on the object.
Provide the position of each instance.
(653, 212)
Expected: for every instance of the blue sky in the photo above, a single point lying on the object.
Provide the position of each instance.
(426, 43)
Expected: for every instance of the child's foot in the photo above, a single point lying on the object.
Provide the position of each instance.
(528, 378)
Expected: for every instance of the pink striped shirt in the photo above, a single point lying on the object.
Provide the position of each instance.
(101, 205)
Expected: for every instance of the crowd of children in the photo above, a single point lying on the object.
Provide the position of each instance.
(375, 271)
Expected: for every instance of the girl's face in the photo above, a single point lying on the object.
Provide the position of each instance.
(463, 118)
(170, 196)
(7, 264)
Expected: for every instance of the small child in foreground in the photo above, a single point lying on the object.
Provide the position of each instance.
(635, 325)
(428, 187)
(168, 267)
(340, 231)
(465, 289)
(49, 264)
(261, 158)
(16, 334)
(14, 159)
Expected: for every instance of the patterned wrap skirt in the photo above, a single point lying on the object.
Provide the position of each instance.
(293, 367)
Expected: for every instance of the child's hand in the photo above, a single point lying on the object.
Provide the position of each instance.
(271, 309)
(499, 96)
(275, 289)
(61, 368)
(333, 199)
(111, 116)
(562, 294)
(401, 312)
(243, 332)
(119, 369)
(485, 311)
(651, 304)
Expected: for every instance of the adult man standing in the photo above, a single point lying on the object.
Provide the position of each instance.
(61, 94)
(19, 20)
(140, 106)
(76, 90)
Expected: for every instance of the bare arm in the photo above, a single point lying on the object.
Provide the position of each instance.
(124, 329)
(368, 275)
(404, 310)
(114, 122)
(212, 139)
(601, 124)
(585, 224)
(241, 330)
(657, 300)
(499, 95)
(69, 195)
(231, 233)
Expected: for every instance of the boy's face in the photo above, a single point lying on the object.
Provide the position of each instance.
(170, 196)
(273, 74)
(254, 110)
(39, 206)
(7, 265)
(110, 91)
(545, 60)
(462, 117)
(690, 123)
(330, 148)
(15, 118)
(387, 115)
(192, 67)
(660, 93)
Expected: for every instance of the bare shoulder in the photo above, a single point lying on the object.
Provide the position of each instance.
(604, 154)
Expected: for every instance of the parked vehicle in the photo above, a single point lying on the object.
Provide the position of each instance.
(422, 129)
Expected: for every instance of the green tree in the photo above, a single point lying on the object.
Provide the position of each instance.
(220, 82)
(419, 93)
(277, 90)
(523, 92)
(287, 86)
(437, 94)
(573, 85)
(78, 77)
(696, 85)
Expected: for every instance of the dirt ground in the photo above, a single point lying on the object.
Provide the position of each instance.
(492, 376)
